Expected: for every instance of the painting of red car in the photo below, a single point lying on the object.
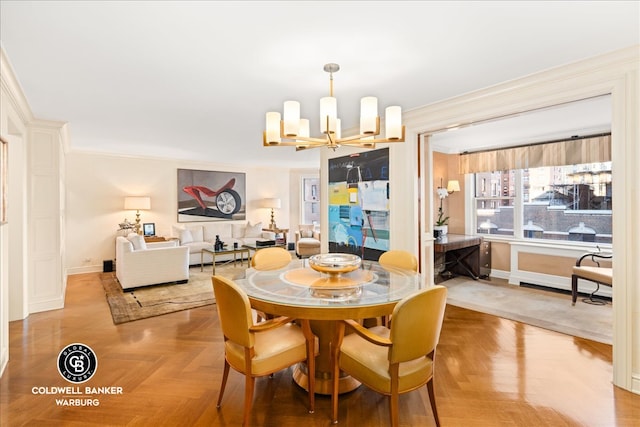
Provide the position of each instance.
(210, 195)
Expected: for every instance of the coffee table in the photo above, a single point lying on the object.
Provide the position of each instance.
(254, 247)
(226, 251)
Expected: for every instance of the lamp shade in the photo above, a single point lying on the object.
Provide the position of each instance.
(273, 128)
(271, 203)
(137, 203)
(453, 185)
(393, 122)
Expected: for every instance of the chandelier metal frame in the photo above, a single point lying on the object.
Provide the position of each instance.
(330, 127)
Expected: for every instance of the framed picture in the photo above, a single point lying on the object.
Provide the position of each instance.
(4, 185)
(149, 229)
(210, 195)
(359, 208)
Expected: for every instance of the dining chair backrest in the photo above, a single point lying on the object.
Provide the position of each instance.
(416, 325)
(234, 311)
(270, 258)
(399, 259)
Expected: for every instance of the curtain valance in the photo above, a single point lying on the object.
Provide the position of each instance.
(594, 149)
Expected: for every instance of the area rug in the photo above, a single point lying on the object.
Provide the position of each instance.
(151, 301)
(542, 308)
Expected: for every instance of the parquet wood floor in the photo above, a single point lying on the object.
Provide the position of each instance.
(489, 372)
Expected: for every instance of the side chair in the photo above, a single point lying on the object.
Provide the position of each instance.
(261, 349)
(399, 258)
(396, 360)
(271, 258)
(394, 259)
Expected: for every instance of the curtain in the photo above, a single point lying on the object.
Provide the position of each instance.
(594, 149)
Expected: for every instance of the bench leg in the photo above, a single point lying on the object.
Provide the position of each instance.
(574, 289)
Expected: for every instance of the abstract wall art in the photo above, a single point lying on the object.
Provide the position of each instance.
(359, 204)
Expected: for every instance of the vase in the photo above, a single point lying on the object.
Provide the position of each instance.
(440, 230)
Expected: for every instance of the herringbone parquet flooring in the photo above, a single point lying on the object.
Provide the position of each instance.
(489, 372)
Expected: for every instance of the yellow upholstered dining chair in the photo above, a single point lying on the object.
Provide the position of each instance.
(393, 259)
(261, 349)
(397, 360)
(270, 258)
(400, 259)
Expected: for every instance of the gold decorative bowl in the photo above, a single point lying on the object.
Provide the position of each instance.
(335, 264)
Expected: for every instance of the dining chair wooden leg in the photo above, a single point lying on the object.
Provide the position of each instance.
(311, 363)
(248, 398)
(394, 398)
(432, 400)
(335, 368)
(225, 375)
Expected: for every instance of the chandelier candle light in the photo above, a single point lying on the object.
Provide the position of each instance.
(294, 131)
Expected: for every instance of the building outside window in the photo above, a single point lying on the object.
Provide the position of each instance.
(566, 203)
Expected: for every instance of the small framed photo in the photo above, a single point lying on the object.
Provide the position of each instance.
(149, 229)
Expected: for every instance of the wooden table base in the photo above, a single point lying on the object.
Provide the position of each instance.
(324, 382)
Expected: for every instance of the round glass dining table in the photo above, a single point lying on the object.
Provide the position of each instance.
(300, 292)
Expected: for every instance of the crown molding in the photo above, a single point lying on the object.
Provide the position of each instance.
(13, 90)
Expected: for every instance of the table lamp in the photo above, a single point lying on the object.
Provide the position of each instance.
(272, 203)
(137, 203)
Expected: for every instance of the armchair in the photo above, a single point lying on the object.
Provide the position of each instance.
(143, 264)
(257, 350)
(396, 360)
(307, 241)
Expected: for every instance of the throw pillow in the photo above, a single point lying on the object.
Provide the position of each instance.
(253, 230)
(197, 233)
(185, 237)
(137, 241)
(306, 233)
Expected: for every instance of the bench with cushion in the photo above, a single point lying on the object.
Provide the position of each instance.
(595, 273)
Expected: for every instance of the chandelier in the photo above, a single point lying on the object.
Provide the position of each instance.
(291, 130)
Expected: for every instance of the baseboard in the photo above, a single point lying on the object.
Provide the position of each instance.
(81, 270)
(635, 383)
(51, 304)
(4, 360)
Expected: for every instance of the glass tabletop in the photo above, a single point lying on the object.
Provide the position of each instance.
(255, 246)
(299, 285)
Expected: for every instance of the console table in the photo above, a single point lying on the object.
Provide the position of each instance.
(461, 254)
(282, 231)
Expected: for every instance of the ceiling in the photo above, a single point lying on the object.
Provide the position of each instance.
(193, 80)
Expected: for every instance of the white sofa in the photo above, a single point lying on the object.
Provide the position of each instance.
(199, 236)
(143, 264)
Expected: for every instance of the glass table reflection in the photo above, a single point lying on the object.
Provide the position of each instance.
(300, 292)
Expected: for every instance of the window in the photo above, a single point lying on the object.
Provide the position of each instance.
(569, 203)
(310, 201)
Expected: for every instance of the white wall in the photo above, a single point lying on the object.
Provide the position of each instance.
(14, 116)
(97, 184)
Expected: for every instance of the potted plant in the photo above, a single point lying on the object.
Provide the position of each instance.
(441, 226)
